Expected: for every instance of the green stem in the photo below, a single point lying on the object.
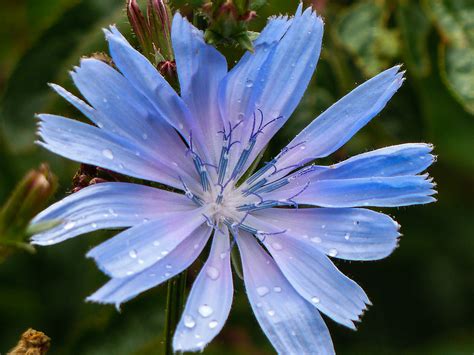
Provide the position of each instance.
(174, 307)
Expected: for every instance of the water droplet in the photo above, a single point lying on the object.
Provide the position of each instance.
(277, 246)
(146, 220)
(249, 83)
(132, 253)
(316, 240)
(315, 300)
(200, 344)
(164, 252)
(69, 225)
(277, 289)
(181, 126)
(156, 243)
(108, 154)
(212, 273)
(271, 312)
(205, 310)
(262, 290)
(332, 252)
(213, 324)
(347, 236)
(303, 147)
(167, 274)
(259, 304)
(189, 322)
(105, 100)
(145, 136)
(196, 246)
(168, 266)
(305, 236)
(94, 225)
(323, 226)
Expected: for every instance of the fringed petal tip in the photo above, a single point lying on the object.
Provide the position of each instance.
(94, 299)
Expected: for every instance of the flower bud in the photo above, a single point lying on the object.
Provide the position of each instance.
(29, 197)
(153, 31)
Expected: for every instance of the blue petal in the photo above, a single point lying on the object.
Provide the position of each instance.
(291, 68)
(291, 324)
(341, 121)
(397, 160)
(106, 205)
(83, 107)
(273, 79)
(209, 301)
(141, 246)
(147, 80)
(91, 145)
(120, 290)
(120, 109)
(316, 278)
(373, 191)
(200, 69)
(345, 233)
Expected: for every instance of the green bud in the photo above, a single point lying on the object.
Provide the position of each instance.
(29, 197)
(153, 30)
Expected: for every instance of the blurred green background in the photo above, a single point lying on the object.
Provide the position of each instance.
(423, 294)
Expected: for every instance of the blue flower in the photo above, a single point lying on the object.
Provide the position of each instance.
(200, 144)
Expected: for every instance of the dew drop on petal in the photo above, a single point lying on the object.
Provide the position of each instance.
(315, 300)
(212, 273)
(164, 252)
(223, 255)
(94, 225)
(132, 253)
(156, 243)
(262, 290)
(189, 322)
(347, 236)
(277, 289)
(316, 240)
(332, 252)
(277, 246)
(213, 324)
(69, 225)
(271, 312)
(108, 154)
(168, 266)
(205, 310)
(249, 83)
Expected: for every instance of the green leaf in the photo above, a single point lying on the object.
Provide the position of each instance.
(362, 31)
(414, 28)
(47, 60)
(455, 22)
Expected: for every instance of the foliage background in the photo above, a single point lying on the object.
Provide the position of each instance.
(423, 294)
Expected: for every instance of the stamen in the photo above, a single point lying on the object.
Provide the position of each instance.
(188, 193)
(199, 165)
(251, 143)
